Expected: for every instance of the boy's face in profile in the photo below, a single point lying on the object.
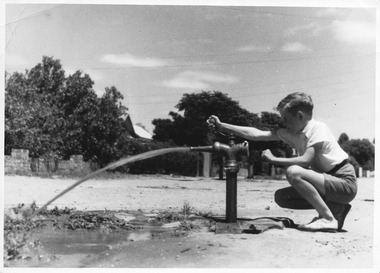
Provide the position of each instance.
(294, 123)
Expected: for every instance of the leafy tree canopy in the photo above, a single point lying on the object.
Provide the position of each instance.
(343, 138)
(362, 150)
(188, 126)
(56, 116)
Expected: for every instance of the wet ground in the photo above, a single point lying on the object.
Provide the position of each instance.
(72, 238)
(192, 243)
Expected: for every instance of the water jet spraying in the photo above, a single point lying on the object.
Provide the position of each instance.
(112, 166)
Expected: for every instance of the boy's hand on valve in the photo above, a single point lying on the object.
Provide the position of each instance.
(267, 156)
(213, 122)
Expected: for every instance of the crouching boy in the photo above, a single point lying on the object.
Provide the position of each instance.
(320, 177)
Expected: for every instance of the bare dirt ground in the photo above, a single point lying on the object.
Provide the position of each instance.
(275, 248)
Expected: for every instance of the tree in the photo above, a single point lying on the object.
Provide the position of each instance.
(48, 77)
(54, 116)
(190, 128)
(79, 104)
(47, 80)
(21, 108)
(362, 150)
(343, 138)
(164, 130)
(33, 119)
(108, 127)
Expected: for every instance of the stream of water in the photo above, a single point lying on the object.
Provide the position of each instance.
(114, 165)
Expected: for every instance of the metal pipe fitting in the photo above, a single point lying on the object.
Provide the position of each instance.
(202, 149)
(231, 152)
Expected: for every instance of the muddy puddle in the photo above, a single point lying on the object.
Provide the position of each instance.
(67, 242)
(69, 238)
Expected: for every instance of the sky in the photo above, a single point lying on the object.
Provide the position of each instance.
(155, 53)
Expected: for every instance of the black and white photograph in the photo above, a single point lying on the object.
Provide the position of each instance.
(234, 135)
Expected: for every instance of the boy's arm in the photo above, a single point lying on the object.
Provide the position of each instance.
(303, 161)
(246, 132)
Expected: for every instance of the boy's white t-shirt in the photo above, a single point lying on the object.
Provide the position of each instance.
(331, 153)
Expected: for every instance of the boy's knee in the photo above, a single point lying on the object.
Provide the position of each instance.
(293, 173)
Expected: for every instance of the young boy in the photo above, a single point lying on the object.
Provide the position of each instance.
(320, 176)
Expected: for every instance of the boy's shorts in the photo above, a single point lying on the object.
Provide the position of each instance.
(341, 185)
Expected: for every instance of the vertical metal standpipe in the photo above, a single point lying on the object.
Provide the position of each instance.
(231, 197)
(232, 168)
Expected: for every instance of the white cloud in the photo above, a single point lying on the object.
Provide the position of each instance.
(295, 47)
(127, 59)
(15, 62)
(354, 32)
(198, 80)
(254, 48)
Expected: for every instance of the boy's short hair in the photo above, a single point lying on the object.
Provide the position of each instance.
(295, 102)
